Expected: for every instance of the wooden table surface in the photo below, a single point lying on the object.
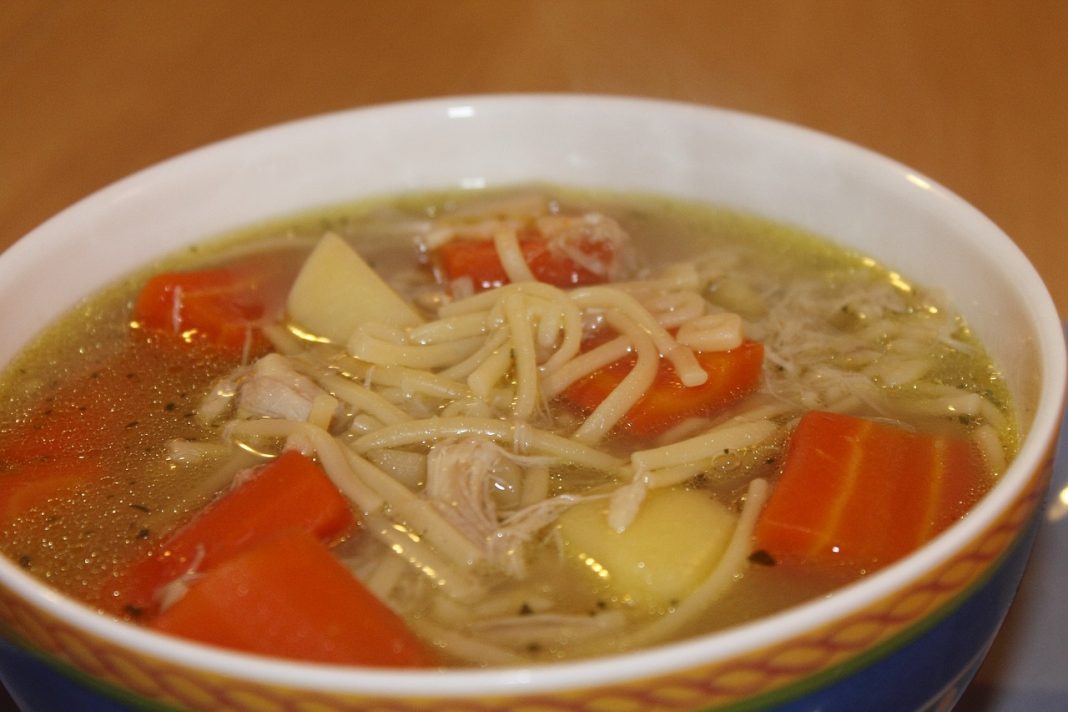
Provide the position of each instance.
(974, 94)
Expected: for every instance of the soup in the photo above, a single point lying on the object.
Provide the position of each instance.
(520, 427)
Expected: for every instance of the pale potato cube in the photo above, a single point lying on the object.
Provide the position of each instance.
(337, 291)
(671, 546)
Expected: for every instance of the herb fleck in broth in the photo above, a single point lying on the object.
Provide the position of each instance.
(140, 423)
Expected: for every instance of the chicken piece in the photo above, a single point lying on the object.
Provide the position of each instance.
(568, 234)
(273, 388)
(476, 484)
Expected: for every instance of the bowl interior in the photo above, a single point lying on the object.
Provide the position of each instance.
(778, 171)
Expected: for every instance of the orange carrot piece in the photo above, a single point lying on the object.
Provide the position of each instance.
(106, 401)
(223, 306)
(82, 418)
(731, 376)
(58, 432)
(289, 597)
(478, 260)
(62, 441)
(289, 492)
(34, 485)
(862, 493)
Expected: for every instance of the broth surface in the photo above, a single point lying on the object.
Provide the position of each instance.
(839, 333)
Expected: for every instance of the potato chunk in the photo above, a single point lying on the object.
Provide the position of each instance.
(336, 291)
(673, 543)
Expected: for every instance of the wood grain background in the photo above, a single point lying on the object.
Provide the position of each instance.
(974, 94)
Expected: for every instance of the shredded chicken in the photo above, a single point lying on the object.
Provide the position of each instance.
(272, 388)
(175, 590)
(567, 232)
(462, 476)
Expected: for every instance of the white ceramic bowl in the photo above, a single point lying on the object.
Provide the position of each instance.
(871, 644)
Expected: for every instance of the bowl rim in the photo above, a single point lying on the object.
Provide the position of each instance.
(615, 668)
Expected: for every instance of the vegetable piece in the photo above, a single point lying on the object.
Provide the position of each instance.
(289, 597)
(66, 430)
(670, 547)
(34, 485)
(289, 492)
(97, 403)
(336, 291)
(58, 444)
(731, 375)
(863, 493)
(478, 260)
(86, 414)
(222, 307)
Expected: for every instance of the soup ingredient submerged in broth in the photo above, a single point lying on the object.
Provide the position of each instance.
(531, 428)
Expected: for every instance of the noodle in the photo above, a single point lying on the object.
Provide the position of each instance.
(372, 349)
(629, 391)
(416, 512)
(467, 648)
(682, 358)
(730, 436)
(364, 399)
(466, 367)
(511, 256)
(532, 439)
(331, 455)
(583, 365)
(457, 584)
(526, 369)
(491, 371)
(450, 329)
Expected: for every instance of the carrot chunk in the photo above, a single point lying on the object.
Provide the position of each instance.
(478, 260)
(59, 443)
(289, 597)
(289, 492)
(223, 307)
(82, 418)
(65, 430)
(731, 375)
(862, 493)
(34, 485)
